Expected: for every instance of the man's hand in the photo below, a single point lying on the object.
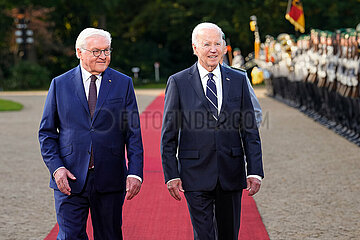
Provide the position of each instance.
(61, 178)
(253, 185)
(174, 187)
(133, 186)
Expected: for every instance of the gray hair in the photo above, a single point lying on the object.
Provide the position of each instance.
(204, 25)
(88, 32)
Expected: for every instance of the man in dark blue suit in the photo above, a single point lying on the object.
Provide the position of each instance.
(208, 126)
(90, 116)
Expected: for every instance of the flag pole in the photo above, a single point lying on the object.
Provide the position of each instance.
(288, 7)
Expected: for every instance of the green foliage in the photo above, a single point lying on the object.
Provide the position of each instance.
(148, 31)
(160, 85)
(331, 15)
(7, 105)
(27, 75)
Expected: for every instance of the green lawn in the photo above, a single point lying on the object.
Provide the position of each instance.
(150, 85)
(7, 105)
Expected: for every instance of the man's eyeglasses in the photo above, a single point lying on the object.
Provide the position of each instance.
(97, 52)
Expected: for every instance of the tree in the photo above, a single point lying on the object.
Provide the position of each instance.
(148, 31)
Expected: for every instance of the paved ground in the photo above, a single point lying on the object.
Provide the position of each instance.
(311, 188)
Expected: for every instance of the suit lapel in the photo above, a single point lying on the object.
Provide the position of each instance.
(79, 89)
(225, 86)
(103, 92)
(195, 82)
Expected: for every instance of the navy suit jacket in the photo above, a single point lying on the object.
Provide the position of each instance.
(200, 149)
(67, 131)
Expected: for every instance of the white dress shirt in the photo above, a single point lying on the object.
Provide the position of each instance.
(217, 78)
(86, 81)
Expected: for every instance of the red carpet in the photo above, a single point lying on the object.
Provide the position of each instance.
(154, 214)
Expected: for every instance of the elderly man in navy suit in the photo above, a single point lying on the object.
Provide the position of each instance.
(90, 116)
(208, 126)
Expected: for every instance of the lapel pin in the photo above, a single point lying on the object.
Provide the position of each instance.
(109, 80)
(228, 79)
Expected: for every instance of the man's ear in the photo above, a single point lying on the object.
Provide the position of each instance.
(225, 49)
(78, 52)
(194, 49)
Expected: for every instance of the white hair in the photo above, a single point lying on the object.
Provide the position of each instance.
(201, 26)
(88, 32)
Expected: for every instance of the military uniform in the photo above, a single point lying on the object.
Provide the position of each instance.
(321, 76)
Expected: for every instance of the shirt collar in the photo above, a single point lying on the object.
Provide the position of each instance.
(86, 75)
(203, 72)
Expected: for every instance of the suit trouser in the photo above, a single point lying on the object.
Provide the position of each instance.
(215, 215)
(105, 208)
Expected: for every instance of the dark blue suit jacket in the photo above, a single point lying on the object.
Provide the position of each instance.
(67, 132)
(201, 150)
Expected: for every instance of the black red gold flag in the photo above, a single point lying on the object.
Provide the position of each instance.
(295, 14)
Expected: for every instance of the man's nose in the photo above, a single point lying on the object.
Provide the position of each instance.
(213, 48)
(102, 54)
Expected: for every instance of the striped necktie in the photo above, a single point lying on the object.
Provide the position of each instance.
(211, 95)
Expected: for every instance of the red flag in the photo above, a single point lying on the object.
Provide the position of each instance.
(295, 14)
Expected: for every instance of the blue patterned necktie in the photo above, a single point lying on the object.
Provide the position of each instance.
(211, 95)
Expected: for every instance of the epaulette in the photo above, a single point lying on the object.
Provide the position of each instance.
(239, 69)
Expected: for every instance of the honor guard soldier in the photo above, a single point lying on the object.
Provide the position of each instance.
(300, 71)
(321, 76)
(343, 75)
(353, 82)
(331, 65)
(275, 69)
(357, 98)
(312, 77)
(341, 85)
